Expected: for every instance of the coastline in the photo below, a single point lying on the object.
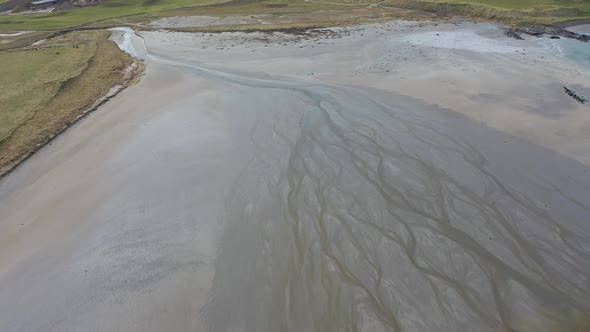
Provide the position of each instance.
(243, 160)
(462, 66)
(133, 74)
(130, 75)
(319, 30)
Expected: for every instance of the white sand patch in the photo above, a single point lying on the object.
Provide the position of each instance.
(39, 42)
(132, 46)
(14, 34)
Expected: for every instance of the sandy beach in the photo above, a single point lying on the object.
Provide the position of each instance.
(581, 29)
(468, 68)
(401, 176)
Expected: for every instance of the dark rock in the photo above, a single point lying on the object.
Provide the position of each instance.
(513, 34)
(538, 31)
(574, 95)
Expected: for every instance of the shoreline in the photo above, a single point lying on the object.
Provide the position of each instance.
(136, 73)
(132, 75)
(243, 160)
(486, 41)
(529, 29)
(511, 31)
(318, 30)
(552, 31)
(313, 31)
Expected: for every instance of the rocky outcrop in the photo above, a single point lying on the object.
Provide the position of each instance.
(574, 95)
(539, 31)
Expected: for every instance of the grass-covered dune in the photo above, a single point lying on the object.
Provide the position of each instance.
(509, 11)
(47, 87)
(79, 16)
(528, 4)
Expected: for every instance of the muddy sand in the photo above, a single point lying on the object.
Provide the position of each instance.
(393, 177)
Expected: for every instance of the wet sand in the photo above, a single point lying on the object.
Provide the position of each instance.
(372, 179)
(514, 86)
(583, 29)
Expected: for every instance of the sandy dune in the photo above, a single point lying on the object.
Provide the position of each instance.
(398, 177)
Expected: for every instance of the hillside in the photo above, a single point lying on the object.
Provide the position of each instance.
(516, 12)
(527, 12)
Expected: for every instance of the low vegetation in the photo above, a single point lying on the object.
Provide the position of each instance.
(105, 13)
(70, 18)
(522, 12)
(48, 86)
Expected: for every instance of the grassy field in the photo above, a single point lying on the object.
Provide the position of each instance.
(47, 87)
(521, 12)
(122, 11)
(133, 11)
(529, 4)
(80, 16)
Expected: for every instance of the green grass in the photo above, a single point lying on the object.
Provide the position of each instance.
(81, 16)
(46, 87)
(530, 4)
(136, 11)
(34, 77)
(517, 12)
(241, 8)
(513, 11)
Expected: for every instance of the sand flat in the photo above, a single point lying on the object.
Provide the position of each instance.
(378, 181)
(469, 68)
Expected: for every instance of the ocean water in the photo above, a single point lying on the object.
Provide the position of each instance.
(574, 50)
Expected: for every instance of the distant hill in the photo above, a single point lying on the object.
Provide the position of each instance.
(502, 10)
(510, 12)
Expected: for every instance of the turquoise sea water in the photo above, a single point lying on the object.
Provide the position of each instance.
(576, 51)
